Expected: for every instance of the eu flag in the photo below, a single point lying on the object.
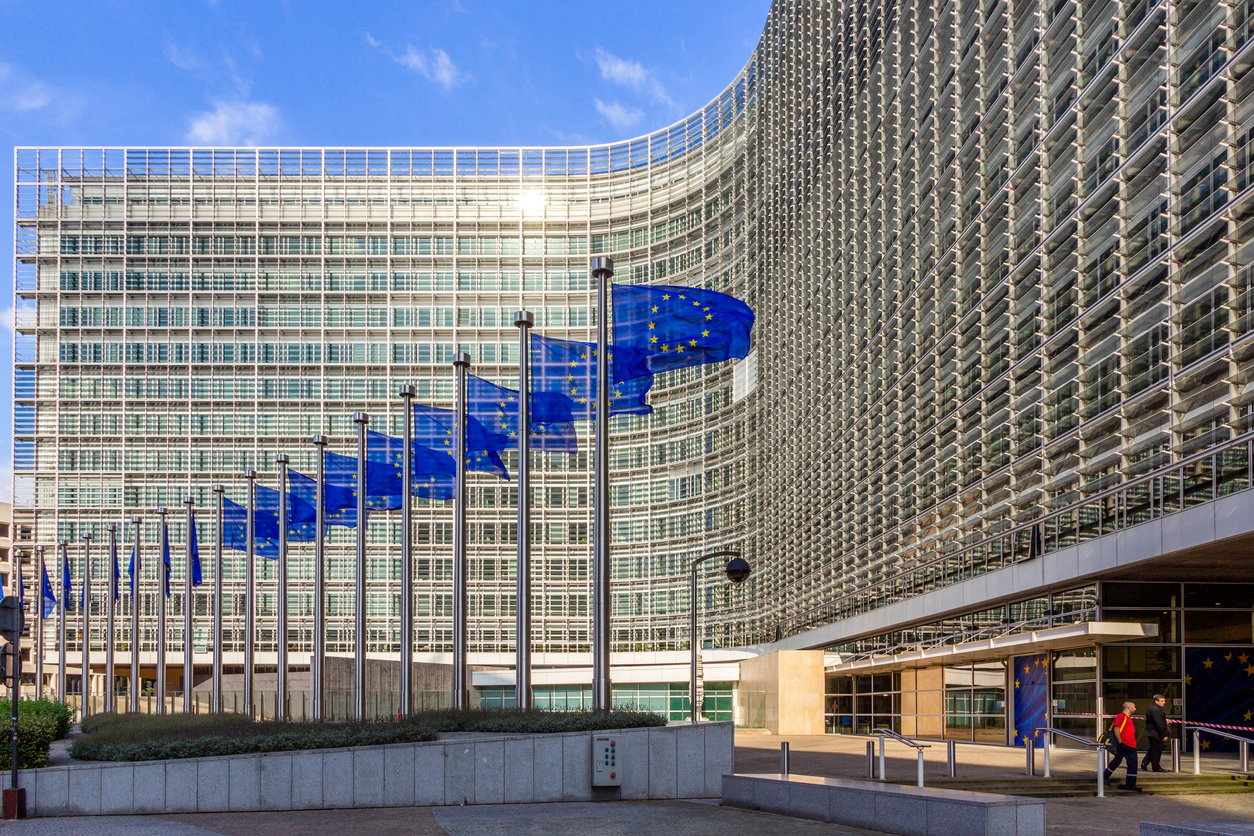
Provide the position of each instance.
(433, 434)
(339, 483)
(65, 579)
(234, 526)
(116, 579)
(193, 551)
(50, 600)
(674, 327)
(496, 407)
(339, 504)
(132, 568)
(564, 383)
(300, 520)
(165, 559)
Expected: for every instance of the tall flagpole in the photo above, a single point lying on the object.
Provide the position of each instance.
(316, 664)
(218, 491)
(359, 638)
(161, 605)
(280, 609)
(407, 555)
(39, 621)
(65, 556)
(86, 659)
(137, 682)
(602, 271)
(110, 691)
(460, 698)
(250, 579)
(522, 624)
(187, 609)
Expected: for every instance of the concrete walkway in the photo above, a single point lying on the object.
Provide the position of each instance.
(628, 818)
(1118, 814)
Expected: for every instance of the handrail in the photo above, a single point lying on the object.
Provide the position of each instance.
(1097, 745)
(1209, 730)
(1069, 736)
(900, 739)
(1197, 745)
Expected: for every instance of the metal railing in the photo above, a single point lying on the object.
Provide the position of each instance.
(886, 733)
(1101, 755)
(1243, 742)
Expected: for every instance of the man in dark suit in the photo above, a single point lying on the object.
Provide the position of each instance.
(1155, 732)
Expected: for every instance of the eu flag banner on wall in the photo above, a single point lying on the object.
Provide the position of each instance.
(1031, 696)
(674, 327)
(1219, 689)
(497, 407)
(433, 433)
(50, 600)
(564, 383)
(193, 549)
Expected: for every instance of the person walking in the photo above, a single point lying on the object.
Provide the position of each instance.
(1123, 726)
(1155, 733)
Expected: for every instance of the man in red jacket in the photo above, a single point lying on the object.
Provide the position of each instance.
(1123, 726)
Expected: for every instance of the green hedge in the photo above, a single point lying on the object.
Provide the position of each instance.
(59, 713)
(35, 733)
(143, 737)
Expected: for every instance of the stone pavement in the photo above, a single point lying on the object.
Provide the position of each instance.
(1118, 814)
(628, 818)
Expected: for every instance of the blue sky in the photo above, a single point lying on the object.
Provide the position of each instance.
(456, 72)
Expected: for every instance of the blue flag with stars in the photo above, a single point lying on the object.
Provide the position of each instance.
(165, 557)
(234, 526)
(65, 578)
(1219, 689)
(132, 568)
(1031, 697)
(564, 382)
(339, 504)
(300, 521)
(50, 600)
(115, 581)
(496, 407)
(193, 549)
(675, 327)
(433, 434)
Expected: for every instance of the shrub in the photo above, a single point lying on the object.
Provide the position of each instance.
(140, 737)
(35, 733)
(59, 713)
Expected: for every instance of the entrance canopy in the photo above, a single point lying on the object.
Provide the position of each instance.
(1067, 637)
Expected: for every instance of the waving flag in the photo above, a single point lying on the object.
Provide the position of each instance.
(50, 600)
(433, 433)
(673, 327)
(564, 382)
(497, 408)
(339, 505)
(65, 578)
(165, 556)
(234, 525)
(115, 580)
(133, 568)
(193, 549)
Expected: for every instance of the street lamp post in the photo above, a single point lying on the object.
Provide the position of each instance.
(737, 570)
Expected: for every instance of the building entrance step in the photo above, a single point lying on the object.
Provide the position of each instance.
(1170, 784)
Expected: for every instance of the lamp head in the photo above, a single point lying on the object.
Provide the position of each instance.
(738, 569)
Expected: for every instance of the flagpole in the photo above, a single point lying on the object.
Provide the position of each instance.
(603, 271)
(280, 609)
(86, 657)
(218, 491)
(523, 320)
(407, 393)
(136, 681)
(319, 637)
(39, 636)
(61, 694)
(161, 582)
(110, 691)
(250, 601)
(460, 698)
(359, 639)
(187, 609)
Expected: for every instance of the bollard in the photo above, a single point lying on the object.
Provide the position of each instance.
(951, 754)
(920, 767)
(1175, 755)
(783, 759)
(1245, 757)
(1101, 771)
(1045, 752)
(1029, 746)
(1197, 752)
(881, 775)
(870, 759)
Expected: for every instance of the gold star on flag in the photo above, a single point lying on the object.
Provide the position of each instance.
(692, 342)
(680, 348)
(655, 309)
(705, 333)
(709, 317)
(1208, 663)
(696, 304)
(663, 347)
(1243, 658)
(653, 339)
(682, 296)
(665, 296)
(1249, 669)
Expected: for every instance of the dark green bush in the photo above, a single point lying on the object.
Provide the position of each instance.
(140, 737)
(35, 733)
(61, 714)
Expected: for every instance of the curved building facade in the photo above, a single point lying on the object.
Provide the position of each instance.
(999, 255)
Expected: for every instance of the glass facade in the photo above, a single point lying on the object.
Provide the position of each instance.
(999, 254)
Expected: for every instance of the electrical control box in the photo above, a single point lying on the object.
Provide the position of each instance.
(606, 771)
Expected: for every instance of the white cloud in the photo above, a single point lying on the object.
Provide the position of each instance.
(21, 92)
(431, 63)
(632, 74)
(619, 115)
(235, 123)
(8, 318)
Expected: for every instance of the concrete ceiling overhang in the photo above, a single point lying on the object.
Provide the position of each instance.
(1067, 637)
